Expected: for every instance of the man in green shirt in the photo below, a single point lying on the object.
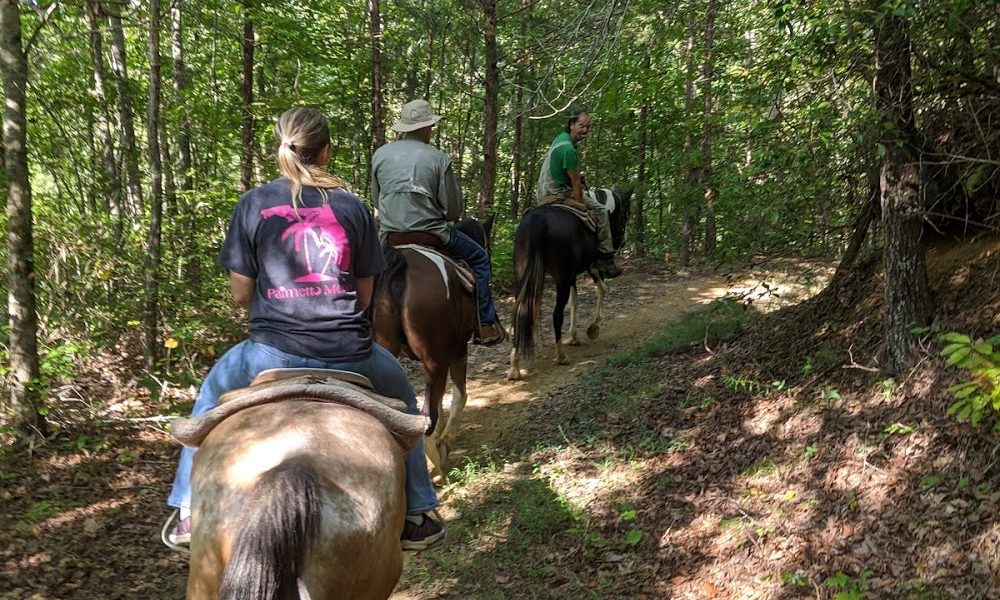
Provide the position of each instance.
(560, 176)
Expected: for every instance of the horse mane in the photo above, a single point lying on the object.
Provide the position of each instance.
(619, 218)
(478, 230)
(278, 523)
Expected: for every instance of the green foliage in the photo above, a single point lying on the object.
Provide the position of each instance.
(720, 321)
(43, 509)
(980, 392)
(794, 578)
(810, 451)
(845, 587)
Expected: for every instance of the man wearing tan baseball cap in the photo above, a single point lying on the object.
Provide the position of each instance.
(415, 190)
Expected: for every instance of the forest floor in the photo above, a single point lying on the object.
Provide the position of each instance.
(742, 449)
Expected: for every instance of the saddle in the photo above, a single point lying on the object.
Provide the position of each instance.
(413, 238)
(319, 385)
(579, 209)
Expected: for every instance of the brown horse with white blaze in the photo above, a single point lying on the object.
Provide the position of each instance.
(297, 499)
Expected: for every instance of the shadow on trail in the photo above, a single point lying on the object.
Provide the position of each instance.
(81, 518)
(747, 475)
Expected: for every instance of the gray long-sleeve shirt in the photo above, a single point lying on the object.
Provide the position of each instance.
(414, 188)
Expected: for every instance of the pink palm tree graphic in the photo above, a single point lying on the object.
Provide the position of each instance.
(315, 228)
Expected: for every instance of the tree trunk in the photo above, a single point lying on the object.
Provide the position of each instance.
(246, 156)
(378, 109)
(192, 268)
(119, 67)
(862, 223)
(907, 292)
(110, 184)
(151, 348)
(25, 409)
(489, 173)
(640, 209)
(691, 174)
(516, 159)
(706, 140)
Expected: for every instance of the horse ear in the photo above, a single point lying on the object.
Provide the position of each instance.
(488, 224)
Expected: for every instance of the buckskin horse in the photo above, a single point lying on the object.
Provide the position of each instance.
(298, 496)
(551, 239)
(422, 309)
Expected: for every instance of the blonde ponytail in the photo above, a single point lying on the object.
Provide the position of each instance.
(302, 134)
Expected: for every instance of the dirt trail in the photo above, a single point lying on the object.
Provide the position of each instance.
(636, 308)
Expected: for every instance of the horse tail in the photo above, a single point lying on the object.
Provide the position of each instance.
(279, 520)
(529, 291)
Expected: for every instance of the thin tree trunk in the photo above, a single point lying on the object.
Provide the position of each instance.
(515, 203)
(691, 174)
(707, 175)
(515, 153)
(489, 174)
(192, 268)
(907, 292)
(119, 68)
(862, 223)
(153, 247)
(26, 407)
(640, 208)
(378, 108)
(429, 73)
(246, 156)
(111, 184)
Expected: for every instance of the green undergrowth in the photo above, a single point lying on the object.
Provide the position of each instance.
(547, 512)
(720, 321)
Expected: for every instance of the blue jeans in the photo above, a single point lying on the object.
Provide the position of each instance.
(465, 248)
(244, 361)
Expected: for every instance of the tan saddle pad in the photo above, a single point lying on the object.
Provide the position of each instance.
(306, 384)
(577, 208)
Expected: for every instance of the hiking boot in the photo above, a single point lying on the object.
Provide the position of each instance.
(606, 266)
(180, 535)
(490, 334)
(421, 532)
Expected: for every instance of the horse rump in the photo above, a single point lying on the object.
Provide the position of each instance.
(280, 518)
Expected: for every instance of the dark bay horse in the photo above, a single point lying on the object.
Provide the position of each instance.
(550, 239)
(422, 310)
(297, 499)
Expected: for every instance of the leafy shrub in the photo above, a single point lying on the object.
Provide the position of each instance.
(981, 391)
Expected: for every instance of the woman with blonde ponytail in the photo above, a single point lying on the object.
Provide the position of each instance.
(302, 253)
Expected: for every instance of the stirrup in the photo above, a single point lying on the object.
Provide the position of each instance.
(174, 518)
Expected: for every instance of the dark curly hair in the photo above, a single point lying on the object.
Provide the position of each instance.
(573, 118)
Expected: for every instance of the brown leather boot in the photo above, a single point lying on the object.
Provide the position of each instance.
(490, 334)
(606, 266)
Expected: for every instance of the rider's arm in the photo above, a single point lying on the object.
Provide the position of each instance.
(375, 190)
(242, 288)
(577, 181)
(364, 287)
(450, 195)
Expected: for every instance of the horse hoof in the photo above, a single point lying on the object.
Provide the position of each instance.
(593, 331)
(513, 375)
(573, 341)
(561, 360)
